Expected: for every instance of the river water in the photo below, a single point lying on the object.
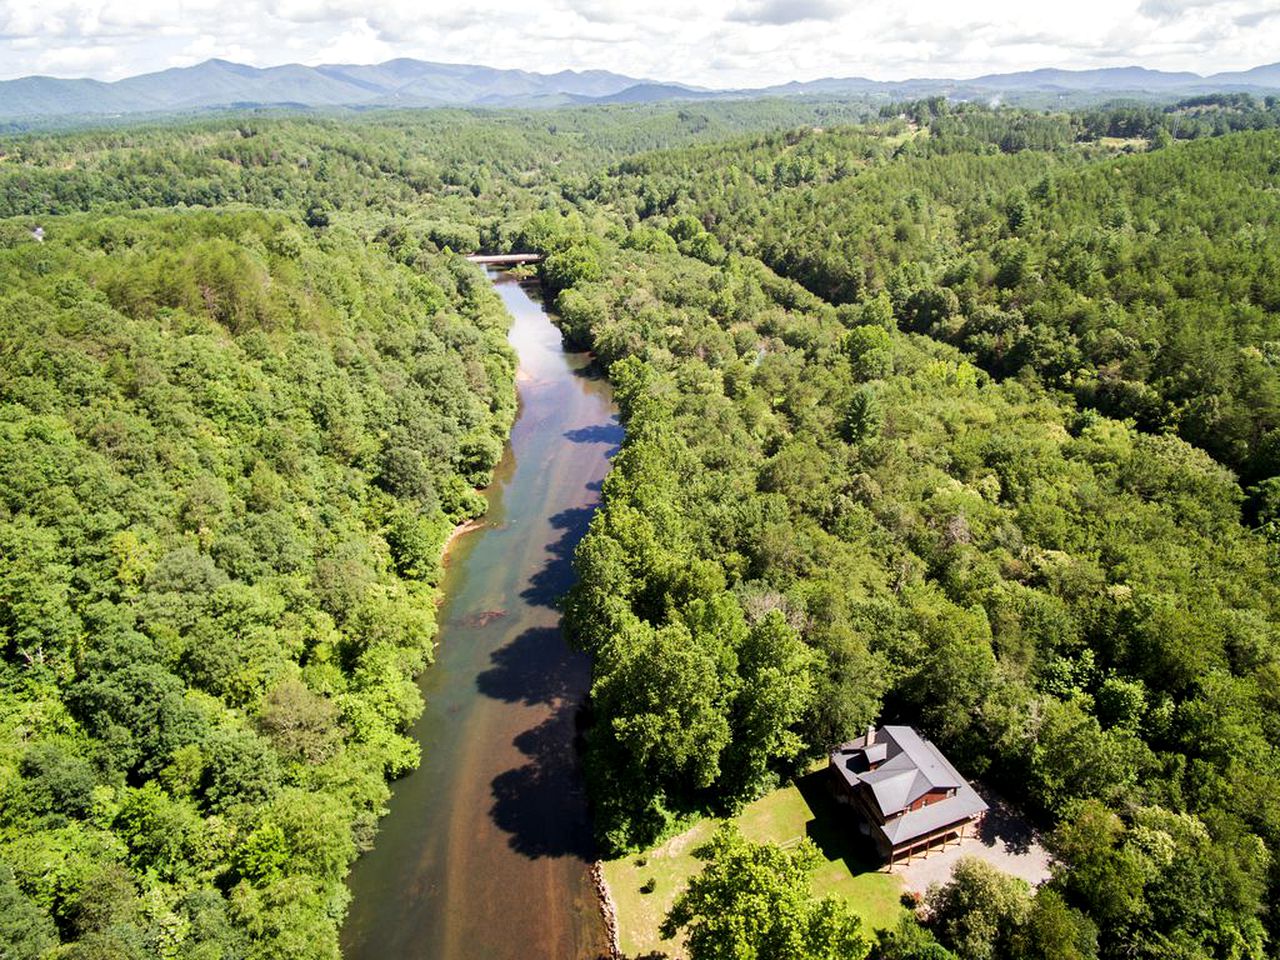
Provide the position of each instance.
(485, 852)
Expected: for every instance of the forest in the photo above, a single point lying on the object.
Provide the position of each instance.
(1145, 285)
(248, 390)
(232, 451)
(957, 416)
(818, 520)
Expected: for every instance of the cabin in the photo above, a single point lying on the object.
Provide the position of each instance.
(905, 795)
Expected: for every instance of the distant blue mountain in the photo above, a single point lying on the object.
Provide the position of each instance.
(1107, 79)
(1115, 81)
(418, 83)
(219, 83)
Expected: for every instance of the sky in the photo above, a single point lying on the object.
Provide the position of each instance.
(715, 43)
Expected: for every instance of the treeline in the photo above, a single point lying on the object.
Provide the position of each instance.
(1011, 130)
(818, 520)
(1210, 115)
(1144, 285)
(231, 449)
(484, 169)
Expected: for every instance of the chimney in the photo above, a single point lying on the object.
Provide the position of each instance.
(871, 734)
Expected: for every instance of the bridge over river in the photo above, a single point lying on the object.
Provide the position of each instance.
(505, 259)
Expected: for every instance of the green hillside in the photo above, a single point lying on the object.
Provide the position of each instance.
(231, 453)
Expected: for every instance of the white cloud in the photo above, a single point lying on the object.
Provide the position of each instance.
(715, 43)
(1254, 18)
(316, 11)
(1172, 9)
(779, 12)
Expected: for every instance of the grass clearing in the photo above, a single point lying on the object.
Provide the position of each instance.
(783, 816)
(1135, 144)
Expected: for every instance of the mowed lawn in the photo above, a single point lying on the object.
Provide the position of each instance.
(784, 817)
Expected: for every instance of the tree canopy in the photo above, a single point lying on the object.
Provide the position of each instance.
(752, 902)
(961, 417)
(231, 451)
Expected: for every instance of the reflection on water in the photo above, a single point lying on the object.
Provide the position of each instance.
(486, 849)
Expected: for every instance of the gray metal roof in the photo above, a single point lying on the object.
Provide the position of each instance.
(965, 805)
(894, 788)
(907, 767)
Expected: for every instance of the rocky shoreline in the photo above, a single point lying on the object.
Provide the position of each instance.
(608, 911)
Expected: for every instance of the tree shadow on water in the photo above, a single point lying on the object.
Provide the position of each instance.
(536, 667)
(610, 433)
(542, 804)
(556, 576)
(585, 371)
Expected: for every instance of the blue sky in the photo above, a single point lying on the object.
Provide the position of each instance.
(715, 43)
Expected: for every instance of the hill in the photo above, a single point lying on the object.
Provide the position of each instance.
(418, 83)
(220, 83)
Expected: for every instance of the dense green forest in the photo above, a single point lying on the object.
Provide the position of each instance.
(822, 515)
(818, 520)
(962, 417)
(232, 451)
(456, 171)
(1189, 119)
(1148, 286)
(247, 392)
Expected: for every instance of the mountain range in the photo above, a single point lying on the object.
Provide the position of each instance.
(417, 83)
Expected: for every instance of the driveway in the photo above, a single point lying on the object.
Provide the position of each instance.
(1005, 840)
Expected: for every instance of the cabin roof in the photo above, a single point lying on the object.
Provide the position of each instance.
(897, 768)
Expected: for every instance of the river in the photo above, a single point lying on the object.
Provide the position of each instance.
(486, 849)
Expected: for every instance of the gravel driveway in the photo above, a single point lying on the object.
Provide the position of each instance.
(1005, 840)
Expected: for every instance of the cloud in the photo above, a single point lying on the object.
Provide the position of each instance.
(1168, 10)
(782, 12)
(947, 35)
(316, 11)
(1018, 38)
(405, 23)
(722, 43)
(1251, 20)
(601, 11)
(78, 60)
